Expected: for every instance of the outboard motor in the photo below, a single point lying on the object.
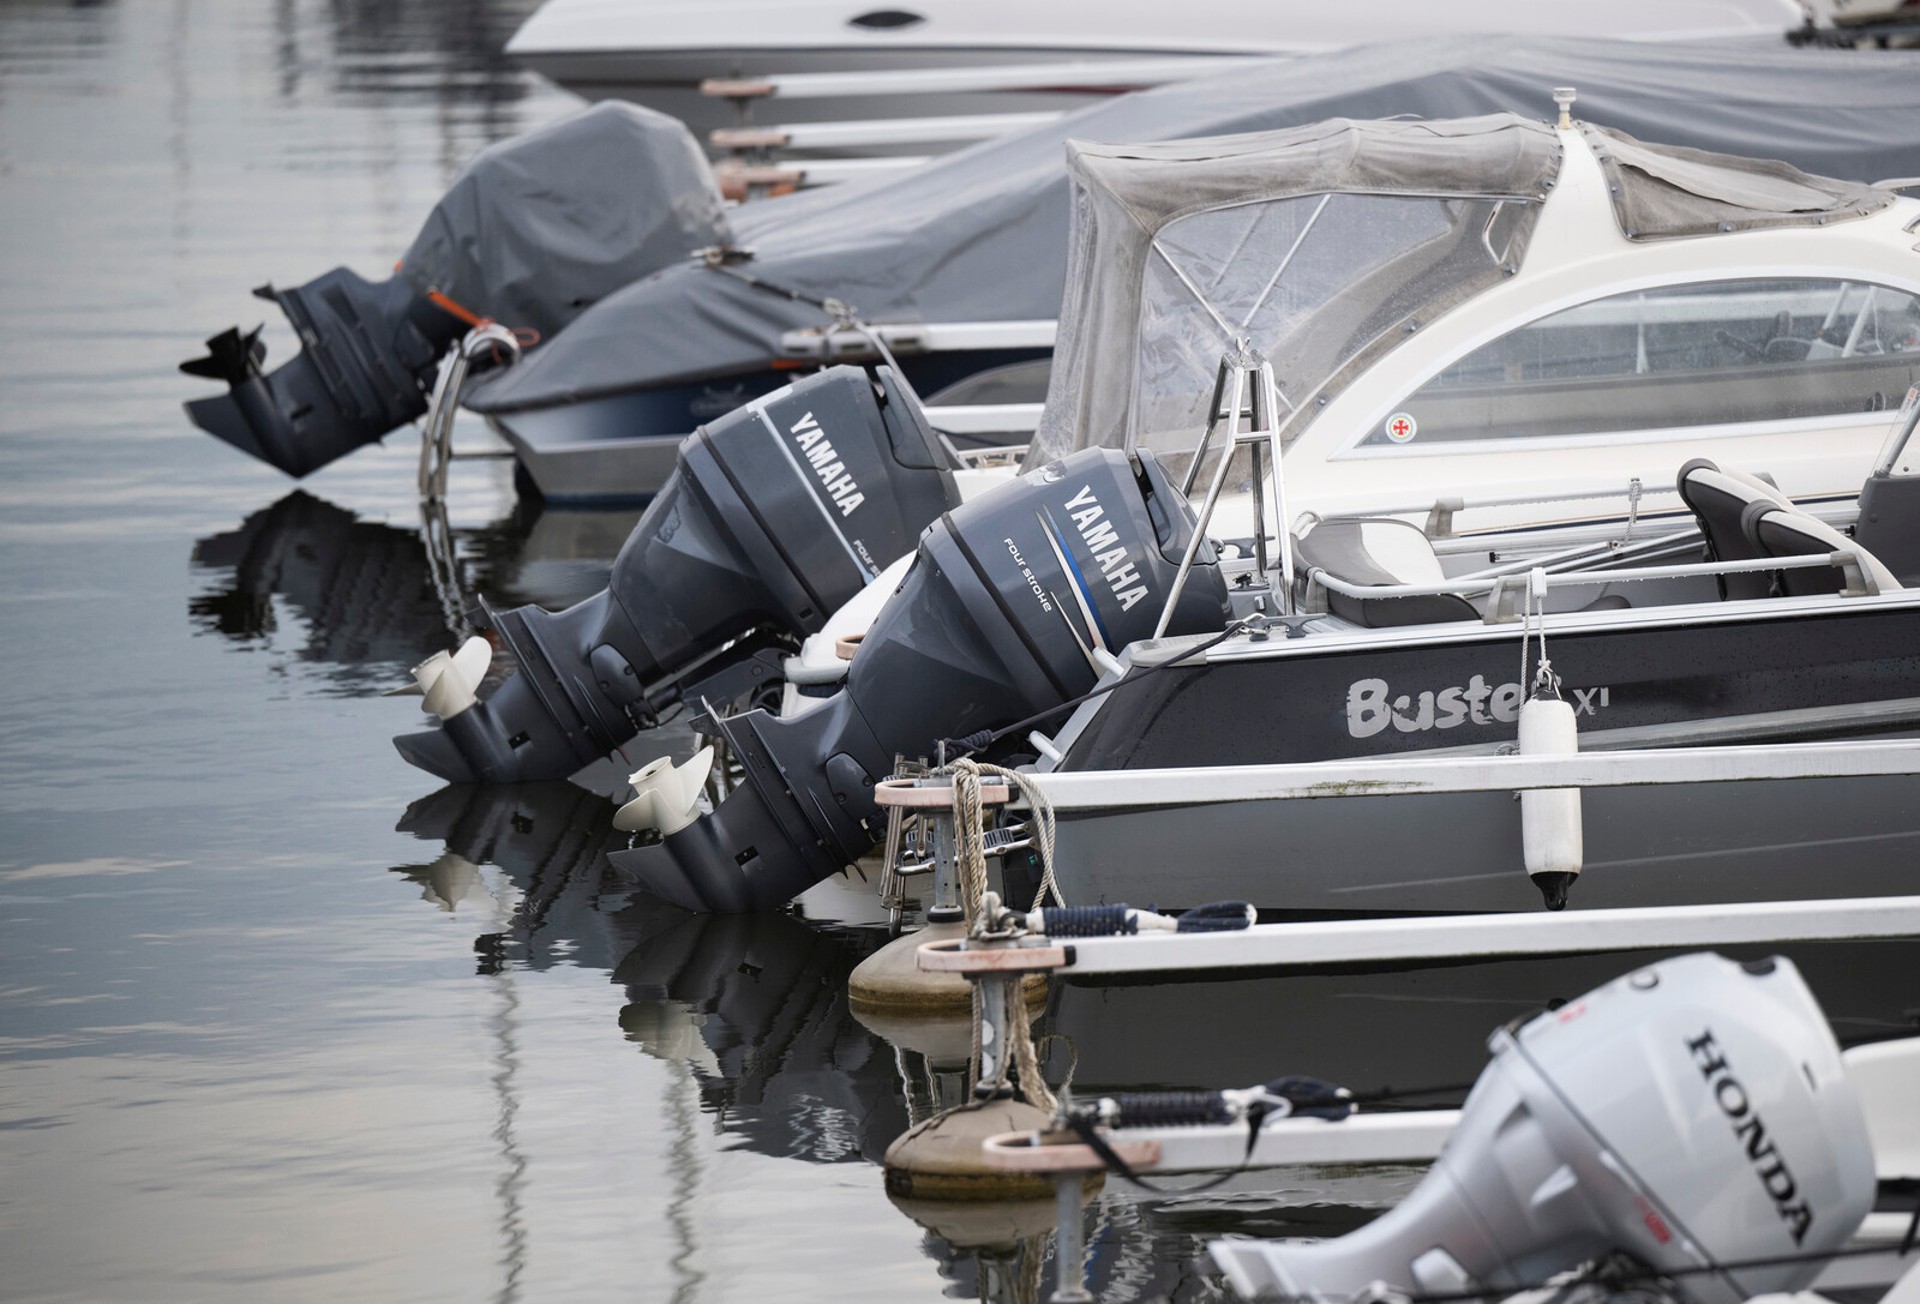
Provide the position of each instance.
(774, 516)
(1693, 1114)
(533, 231)
(368, 357)
(997, 620)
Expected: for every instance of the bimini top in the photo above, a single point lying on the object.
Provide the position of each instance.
(1324, 245)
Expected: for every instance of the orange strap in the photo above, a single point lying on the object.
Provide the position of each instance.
(527, 336)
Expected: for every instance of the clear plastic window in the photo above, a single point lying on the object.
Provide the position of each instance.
(1309, 281)
(1704, 354)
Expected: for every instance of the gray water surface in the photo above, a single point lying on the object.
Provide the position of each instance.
(281, 1019)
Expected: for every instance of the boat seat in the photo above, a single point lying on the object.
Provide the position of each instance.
(1380, 551)
(1774, 531)
(1717, 499)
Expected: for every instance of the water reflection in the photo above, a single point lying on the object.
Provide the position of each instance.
(753, 1010)
(756, 1004)
(371, 597)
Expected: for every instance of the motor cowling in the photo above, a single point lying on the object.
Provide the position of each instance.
(997, 620)
(1694, 1114)
(775, 515)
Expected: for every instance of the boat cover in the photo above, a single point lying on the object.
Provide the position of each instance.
(1322, 245)
(980, 234)
(1661, 191)
(537, 228)
(1311, 243)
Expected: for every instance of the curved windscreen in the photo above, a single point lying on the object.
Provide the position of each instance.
(1707, 353)
(1311, 282)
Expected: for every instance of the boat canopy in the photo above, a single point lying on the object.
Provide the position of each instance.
(1308, 243)
(1324, 246)
(1662, 191)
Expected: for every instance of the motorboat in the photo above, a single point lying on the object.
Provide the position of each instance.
(643, 342)
(1690, 1127)
(660, 54)
(1507, 201)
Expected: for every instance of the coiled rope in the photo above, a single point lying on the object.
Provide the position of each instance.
(969, 835)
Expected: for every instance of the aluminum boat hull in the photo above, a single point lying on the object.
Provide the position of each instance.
(1830, 670)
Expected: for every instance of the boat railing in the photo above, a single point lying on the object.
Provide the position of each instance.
(753, 169)
(1441, 511)
(1389, 776)
(875, 133)
(1109, 76)
(830, 344)
(488, 340)
(1508, 592)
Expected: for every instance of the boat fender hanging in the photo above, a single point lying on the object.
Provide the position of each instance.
(1550, 828)
(1550, 817)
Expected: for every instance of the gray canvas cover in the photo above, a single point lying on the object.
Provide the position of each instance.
(981, 234)
(1665, 191)
(537, 228)
(1179, 250)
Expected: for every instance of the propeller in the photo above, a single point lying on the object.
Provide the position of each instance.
(450, 681)
(665, 794)
(231, 356)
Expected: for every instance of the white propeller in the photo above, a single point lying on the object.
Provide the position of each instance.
(450, 681)
(665, 795)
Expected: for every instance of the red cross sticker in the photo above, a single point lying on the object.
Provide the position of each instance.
(1401, 427)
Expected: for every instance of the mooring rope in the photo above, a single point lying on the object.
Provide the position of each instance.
(970, 833)
(1020, 1051)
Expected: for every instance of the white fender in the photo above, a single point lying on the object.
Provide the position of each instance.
(666, 796)
(1550, 832)
(450, 681)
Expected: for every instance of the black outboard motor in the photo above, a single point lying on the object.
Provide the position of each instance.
(995, 622)
(368, 357)
(533, 231)
(774, 517)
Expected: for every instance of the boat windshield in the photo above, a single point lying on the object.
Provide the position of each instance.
(1311, 282)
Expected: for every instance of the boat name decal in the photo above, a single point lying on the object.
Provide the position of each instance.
(1103, 544)
(827, 465)
(1768, 1166)
(1371, 706)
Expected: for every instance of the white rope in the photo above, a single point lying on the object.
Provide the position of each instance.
(1533, 625)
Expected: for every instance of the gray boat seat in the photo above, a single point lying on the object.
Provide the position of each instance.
(1717, 499)
(1380, 551)
(1774, 531)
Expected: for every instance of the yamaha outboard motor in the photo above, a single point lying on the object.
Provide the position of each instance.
(774, 516)
(532, 232)
(1694, 1115)
(997, 620)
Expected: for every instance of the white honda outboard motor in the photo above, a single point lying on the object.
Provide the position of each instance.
(1693, 1114)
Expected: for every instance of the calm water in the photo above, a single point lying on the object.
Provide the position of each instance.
(278, 1019)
